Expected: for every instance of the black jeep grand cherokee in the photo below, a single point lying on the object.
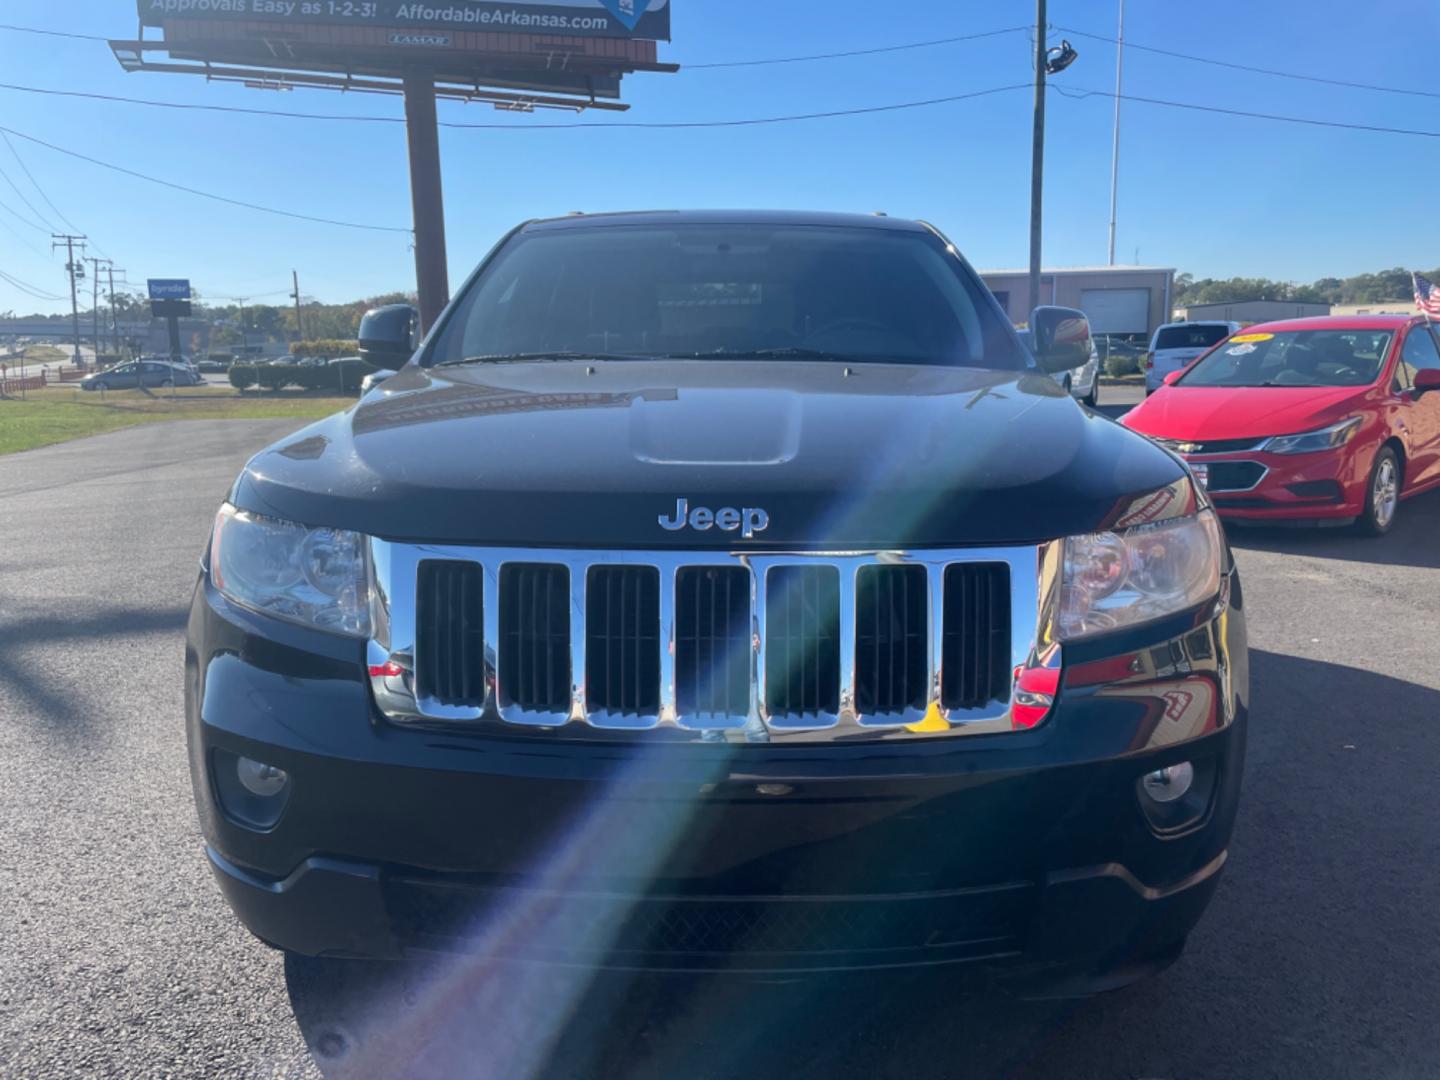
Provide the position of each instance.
(723, 592)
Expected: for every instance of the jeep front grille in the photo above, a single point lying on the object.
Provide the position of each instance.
(535, 637)
(975, 654)
(449, 632)
(891, 617)
(709, 644)
(802, 644)
(712, 642)
(622, 641)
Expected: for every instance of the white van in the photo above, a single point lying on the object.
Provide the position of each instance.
(1176, 344)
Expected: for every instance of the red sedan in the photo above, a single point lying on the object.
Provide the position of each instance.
(1328, 420)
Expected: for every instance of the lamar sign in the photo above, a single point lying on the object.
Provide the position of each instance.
(644, 19)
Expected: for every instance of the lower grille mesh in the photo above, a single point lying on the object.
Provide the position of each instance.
(535, 637)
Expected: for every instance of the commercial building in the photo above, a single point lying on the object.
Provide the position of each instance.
(1250, 311)
(1125, 300)
(1377, 307)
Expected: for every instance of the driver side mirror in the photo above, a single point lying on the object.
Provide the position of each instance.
(1172, 378)
(387, 335)
(1059, 338)
(1427, 379)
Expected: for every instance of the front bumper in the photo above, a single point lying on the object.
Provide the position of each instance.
(1026, 850)
(1293, 487)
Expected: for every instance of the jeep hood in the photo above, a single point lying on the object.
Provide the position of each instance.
(574, 455)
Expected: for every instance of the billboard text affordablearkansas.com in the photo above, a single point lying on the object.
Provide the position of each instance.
(650, 19)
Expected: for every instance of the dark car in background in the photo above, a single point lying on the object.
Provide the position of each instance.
(721, 592)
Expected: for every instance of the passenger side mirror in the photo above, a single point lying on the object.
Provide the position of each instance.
(388, 335)
(1427, 379)
(1172, 378)
(1059, 338)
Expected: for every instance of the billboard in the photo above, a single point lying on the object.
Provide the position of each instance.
(168, 288)
(644, 19)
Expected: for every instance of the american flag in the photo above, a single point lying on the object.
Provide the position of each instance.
(1427, 296)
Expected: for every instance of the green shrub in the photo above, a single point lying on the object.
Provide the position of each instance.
(344, 376)
(329, 348)
(1121, 364)
(242, 376)
(277, 376)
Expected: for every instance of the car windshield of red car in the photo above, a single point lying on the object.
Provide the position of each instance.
(1293, 358)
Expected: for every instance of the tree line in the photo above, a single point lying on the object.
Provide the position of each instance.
(320, 322)
(1393, 284)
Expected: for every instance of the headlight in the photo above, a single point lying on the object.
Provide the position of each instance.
(316, 577)
(1311, 441)
(1118, 579)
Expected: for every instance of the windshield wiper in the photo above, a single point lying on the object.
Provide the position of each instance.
(538, 357)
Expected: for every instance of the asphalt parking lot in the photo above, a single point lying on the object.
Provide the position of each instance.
(117, 956)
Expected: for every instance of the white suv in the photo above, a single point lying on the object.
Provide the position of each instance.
(1176, 344)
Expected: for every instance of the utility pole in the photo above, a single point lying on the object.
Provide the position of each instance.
(95, 301)
(244, 334)
(299, 326)
(1037, 157)
(1115, 145)
(432, 279)
(68, 242)
(114, 316)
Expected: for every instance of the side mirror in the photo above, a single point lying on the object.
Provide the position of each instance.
(1172, 378)
(1059, 338)
(387, 335)
(1427, 379)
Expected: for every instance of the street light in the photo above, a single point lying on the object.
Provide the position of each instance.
(1047, 61)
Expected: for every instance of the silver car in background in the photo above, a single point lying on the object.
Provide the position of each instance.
(1176, 344)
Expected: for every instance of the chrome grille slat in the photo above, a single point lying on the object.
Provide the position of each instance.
(901, 674)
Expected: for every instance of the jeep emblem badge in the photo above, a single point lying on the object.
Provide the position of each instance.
(749, 521)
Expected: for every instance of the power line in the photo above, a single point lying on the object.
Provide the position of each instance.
(33, 290)
(52, 33)
(751, 122)
(202, 194)
(16, 188)
(1252, 69)
(459, 125)
(36, 184)
(188, 106)
(854, 52)
(18, 236)
(1077, 92)
(22, 218)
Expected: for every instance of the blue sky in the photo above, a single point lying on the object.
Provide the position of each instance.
(1215, 195)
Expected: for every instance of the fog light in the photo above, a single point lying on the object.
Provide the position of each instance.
(1170, 783)
(260, 779)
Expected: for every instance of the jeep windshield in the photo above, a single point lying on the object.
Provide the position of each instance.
(714, 291)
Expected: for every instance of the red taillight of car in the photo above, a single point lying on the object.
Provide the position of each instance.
(1034, 696)
(1149, 361)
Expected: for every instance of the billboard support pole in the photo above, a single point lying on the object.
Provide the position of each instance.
(432, 279)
